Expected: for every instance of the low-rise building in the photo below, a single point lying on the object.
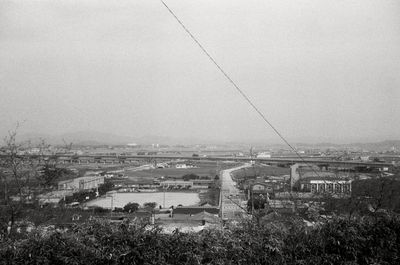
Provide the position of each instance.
(264, 155)
(176, 184)
(262, 188)
(262, 185)
(364, 158)
(53, 197)
(322, 185)
(186, 213)
(282, 206)
(184, 166)
(81, 183)
(202, 183)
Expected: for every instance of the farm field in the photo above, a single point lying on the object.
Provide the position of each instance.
(202, 169)
(172, 172)
(261, 171)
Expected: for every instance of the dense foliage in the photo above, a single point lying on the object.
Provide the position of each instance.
(81, 196)
(150, 205)
(339, 241)
(50, 173)
(106, 187)
(379, 193)
(131, 207)
(86, 195)
(189, 177)
(256, 202)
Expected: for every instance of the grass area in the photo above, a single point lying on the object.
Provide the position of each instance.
(203, 170)
(149, 175)
(206, 168)
(261, 171)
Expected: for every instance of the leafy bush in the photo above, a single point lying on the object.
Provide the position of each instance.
(189, 177)
(339, 241)
(106, 187)
(150, 205)
(81, 196)
(131, 207)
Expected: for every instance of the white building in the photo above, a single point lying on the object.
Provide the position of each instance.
(183, 166)
(329, 186)
(81, 183)
(264, 155)
(364, 158)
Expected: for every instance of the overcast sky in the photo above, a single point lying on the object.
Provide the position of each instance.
(320, 70)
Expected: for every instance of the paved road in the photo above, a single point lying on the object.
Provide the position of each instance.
(230, 197)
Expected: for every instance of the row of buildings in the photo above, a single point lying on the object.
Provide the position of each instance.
(306, 178)
(91, 180)
(188, 184)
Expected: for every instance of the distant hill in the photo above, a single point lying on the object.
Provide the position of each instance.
(371, 146)
(78, 138)
(92, 138)
(379, 146)
(97, 138)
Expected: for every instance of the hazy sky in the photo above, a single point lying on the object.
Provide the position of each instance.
(318, 69)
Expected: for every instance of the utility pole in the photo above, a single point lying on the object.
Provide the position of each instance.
(164, 198)
(3, 179)
(5, 191)
(111, 195)
(252, 200)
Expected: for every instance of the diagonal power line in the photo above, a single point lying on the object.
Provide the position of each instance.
(238, 89)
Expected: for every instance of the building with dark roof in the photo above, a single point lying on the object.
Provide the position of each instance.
(184, 213)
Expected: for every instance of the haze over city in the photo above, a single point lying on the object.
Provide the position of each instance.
(199, 132)
(319, 70)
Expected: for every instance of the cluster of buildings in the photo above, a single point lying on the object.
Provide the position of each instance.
(304, 178)
(91, 180)
(186, 184)
(305, 183)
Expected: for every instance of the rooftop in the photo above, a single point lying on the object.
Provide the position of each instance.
(195, 210)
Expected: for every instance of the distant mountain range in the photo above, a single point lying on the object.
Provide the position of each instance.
(379, 146)
(92, 138)
(97, 138)
(386, 145)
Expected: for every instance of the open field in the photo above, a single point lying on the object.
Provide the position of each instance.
(170, 199)
(206, 168)
(261, 171)
(201, 169)
(172, 172)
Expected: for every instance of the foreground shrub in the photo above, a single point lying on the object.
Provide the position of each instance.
(340, 241)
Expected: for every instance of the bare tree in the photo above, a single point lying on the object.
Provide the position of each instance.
(24, 171)
(15, 178)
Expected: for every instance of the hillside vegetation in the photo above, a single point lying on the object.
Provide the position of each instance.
(362, 240)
